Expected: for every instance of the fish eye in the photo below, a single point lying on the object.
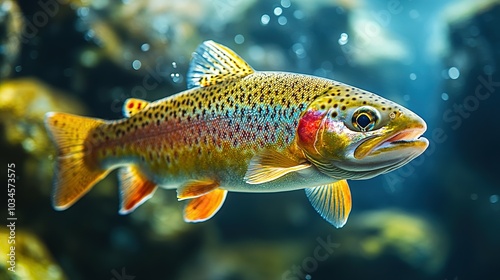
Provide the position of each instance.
(365, 118)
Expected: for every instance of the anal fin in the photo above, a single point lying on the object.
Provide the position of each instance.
(135, 189)
(269, 165)
(333, 202)
(205, 204)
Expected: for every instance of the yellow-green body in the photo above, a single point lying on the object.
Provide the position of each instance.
(236, 129)
(214, 132)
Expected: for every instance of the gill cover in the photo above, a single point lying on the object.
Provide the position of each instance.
(329, 132)
(313, 137)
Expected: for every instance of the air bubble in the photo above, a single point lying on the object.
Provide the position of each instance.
(239, 39)
(136, 64)
(82, 12)
(344, 38)
(282, 20)
(264, 19)
(454, 73)
(494, 199)
(176, 77)
(286, 3)
(278, 11)
(299, 50)
(145, 47)
(444, 96)
(298, 14)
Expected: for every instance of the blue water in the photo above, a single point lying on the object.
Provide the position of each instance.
(436, 218)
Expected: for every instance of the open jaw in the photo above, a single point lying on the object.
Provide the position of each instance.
(405, 141)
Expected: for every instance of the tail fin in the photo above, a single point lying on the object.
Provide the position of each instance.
(74, 175)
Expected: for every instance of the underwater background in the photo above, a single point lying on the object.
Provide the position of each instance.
(438, 217)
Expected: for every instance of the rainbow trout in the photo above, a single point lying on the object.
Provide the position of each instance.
(237, 129)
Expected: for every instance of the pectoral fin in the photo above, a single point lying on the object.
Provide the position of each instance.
(204, 207)
(270, 165)
(135, 189)
(333, 202)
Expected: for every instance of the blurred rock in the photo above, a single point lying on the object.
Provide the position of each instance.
(32, 259)
(385, 236)
(249, 260)
(161, 217)
(23, 104)
(469, 180)
(151, 34)
(10, 33)
(474, 94)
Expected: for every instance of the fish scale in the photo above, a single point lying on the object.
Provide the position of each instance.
(235, 121)
(236, 129)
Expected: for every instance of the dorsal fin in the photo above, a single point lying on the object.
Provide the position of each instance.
(133, 105)
(213, 63)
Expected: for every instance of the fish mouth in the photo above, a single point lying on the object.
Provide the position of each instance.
(408, 139)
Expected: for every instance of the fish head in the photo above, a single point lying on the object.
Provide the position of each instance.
(349, 133)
